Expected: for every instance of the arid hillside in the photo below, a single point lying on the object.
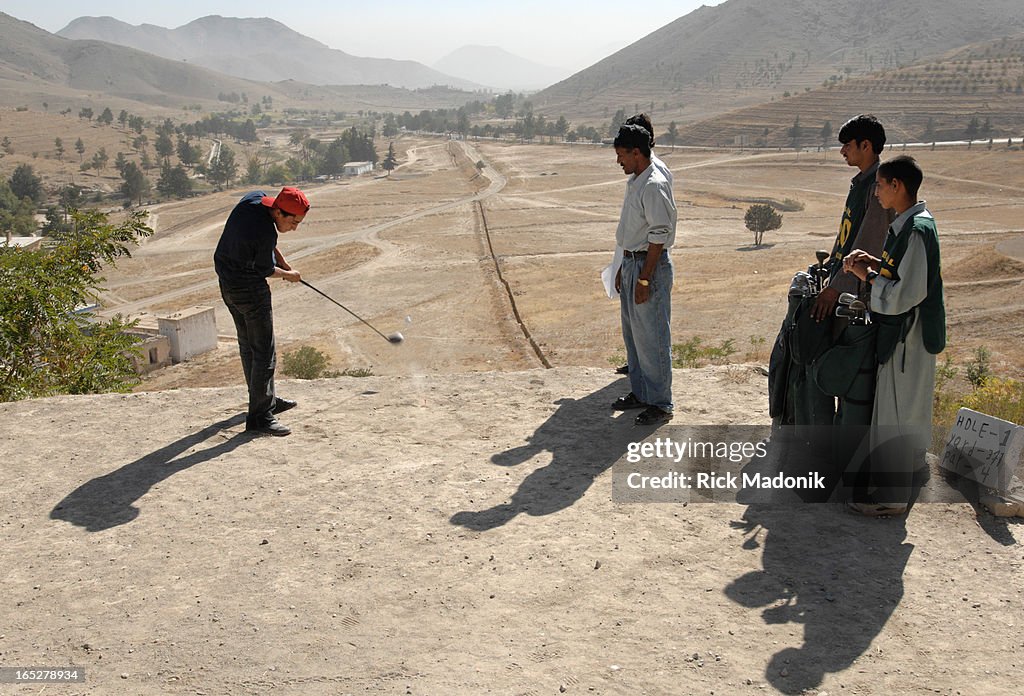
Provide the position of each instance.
(745, 52)
(975, 92)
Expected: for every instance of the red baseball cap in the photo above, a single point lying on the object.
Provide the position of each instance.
(290, 199)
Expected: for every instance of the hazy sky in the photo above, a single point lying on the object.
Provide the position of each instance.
(560, 33)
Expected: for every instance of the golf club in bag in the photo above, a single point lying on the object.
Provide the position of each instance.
(393, 338)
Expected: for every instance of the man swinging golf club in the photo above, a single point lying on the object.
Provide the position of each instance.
(246, 256)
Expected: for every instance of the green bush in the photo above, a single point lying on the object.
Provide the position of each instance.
(357, 372)
(978, 369)
(305, 363)
(693, 354)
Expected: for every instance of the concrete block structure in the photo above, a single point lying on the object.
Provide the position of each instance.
(152, 352)
(357, 168)
(191, 332)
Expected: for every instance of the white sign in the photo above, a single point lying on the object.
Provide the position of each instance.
(987, 450)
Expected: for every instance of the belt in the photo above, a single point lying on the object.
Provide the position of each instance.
(628, 254)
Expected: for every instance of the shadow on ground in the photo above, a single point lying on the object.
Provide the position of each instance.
(838, 574)
(584, 439)
(109, 501)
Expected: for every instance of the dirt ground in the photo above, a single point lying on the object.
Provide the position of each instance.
(456, 534)
(446, 525)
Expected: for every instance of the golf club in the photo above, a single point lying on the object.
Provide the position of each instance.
(393, 338)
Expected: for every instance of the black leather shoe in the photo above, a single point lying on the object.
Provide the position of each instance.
(624, 403)
(270, 427)
(282, 405)
(622, 370)
(653, 416)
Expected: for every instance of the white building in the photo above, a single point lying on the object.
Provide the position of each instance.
(357, 168)
(26, 243)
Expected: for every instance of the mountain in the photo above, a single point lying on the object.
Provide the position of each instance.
(35, 62)
(744, 52)
(496, 67)
(932, 100)
(259, 49)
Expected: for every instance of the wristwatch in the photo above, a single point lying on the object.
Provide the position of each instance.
(643, 281)
(871, 275)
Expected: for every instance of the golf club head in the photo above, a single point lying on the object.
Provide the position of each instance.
(821, 255)
(847, 298)
(395, 338)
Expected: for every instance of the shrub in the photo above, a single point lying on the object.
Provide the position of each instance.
(693, 354)
(305, 363)
(978, 369)
(357, 372)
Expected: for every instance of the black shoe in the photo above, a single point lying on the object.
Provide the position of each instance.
(624, 370)
(282, 405)
(624, 403)
(653, 416)
(268, 427)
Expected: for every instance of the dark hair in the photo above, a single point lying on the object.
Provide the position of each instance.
(864, 127)
(644, 121)
(633, 136)
(903, 168)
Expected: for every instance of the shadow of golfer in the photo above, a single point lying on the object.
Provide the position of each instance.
(838, 574)
(108, 501)
(584, 441)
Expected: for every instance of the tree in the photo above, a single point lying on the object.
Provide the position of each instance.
(255, 164)
(224, 169)
(106, 118)
(70, 197)
(164, 147)
(617, 120)
(174, 181)
(58, 148)
(929, 130)
(85, 113)
(971, 132)
(100, 159)
(334, 158)
(761, 218)
(25, 184)
(826, 133)
(187, 153)
(390, 162)
(795, 132)
(247, 133)
(135, 185)
(80, 149)
(46, 346)
(17, 215)
(122, 118)
(672, 134)
(505, 105)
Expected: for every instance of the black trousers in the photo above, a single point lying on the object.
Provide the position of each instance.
(252, 310)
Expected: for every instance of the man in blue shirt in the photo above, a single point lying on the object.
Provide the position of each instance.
(246, 256)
